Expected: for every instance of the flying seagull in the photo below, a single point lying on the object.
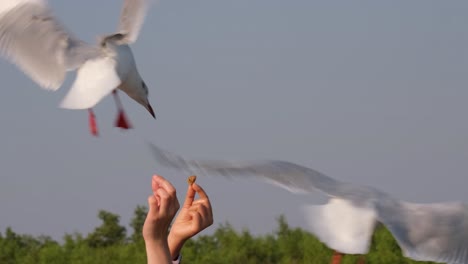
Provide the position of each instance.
(33, 39)
(426, 232)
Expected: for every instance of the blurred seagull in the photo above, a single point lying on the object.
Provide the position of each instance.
(33, 39)
(426, 232)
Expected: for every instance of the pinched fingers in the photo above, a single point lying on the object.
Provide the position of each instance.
(163, 183)
(190, 196)
(166, 196)
(204, 201)
(168, 203)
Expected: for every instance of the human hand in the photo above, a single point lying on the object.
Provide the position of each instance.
(194, 216)
(163, 206)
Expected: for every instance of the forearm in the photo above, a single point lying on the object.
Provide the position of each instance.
(157, 252)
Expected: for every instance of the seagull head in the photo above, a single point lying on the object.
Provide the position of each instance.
(141, 97)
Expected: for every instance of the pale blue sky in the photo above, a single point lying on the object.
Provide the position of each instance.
(369, 92)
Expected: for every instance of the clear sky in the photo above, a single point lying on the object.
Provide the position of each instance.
(370, 92)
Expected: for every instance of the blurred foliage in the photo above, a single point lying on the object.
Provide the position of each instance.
(109, 243)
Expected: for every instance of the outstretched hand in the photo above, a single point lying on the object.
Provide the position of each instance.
(163, 206)
(194, 216)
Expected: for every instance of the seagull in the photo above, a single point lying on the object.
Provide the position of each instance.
(425, 232)
(36, 42)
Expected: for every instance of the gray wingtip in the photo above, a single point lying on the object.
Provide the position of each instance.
(166, 158)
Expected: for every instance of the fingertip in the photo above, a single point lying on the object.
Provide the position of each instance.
(157, 177)
(201, 192)
(194, 188)
(163, 183)
(154, 184)
(197, 188)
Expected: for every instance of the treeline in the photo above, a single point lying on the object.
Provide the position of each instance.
(109, 243)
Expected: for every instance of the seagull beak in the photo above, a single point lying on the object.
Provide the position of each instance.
(150, 109)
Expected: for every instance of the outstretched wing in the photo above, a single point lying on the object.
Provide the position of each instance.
(430, 232)
(287, 175)
(132, 18)
(33, 39)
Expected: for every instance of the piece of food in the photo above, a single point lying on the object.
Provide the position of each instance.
(191, 179)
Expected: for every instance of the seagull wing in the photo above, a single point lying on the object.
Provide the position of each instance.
(132, 18)
(33, 39)
(287, 175)
(430, 232)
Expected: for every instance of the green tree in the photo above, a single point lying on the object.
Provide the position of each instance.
(139, 216)
(109, 233)
(290, 242)
(108, 244)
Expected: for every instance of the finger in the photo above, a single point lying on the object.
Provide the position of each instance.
(169, 203)
(189, 197)
(164, 202)
(153, 205)
(205, 213)
(205, 204)
(201, 201)
(196, 220)
(154, 184)
(203, 198)
(200, 191)
(163, 183)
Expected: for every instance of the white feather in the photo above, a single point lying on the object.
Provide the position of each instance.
(131, 18)
(95, 79)
(341, 225)
(7, 5)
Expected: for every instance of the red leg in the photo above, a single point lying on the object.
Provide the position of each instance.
(92, 123)
(122, 120)
(336, 258)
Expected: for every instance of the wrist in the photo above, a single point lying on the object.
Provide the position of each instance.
(156, 241)
(157, 250)
(155, 236)
(175, 245)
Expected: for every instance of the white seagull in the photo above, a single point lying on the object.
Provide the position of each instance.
(33, 39)
(426, 232)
